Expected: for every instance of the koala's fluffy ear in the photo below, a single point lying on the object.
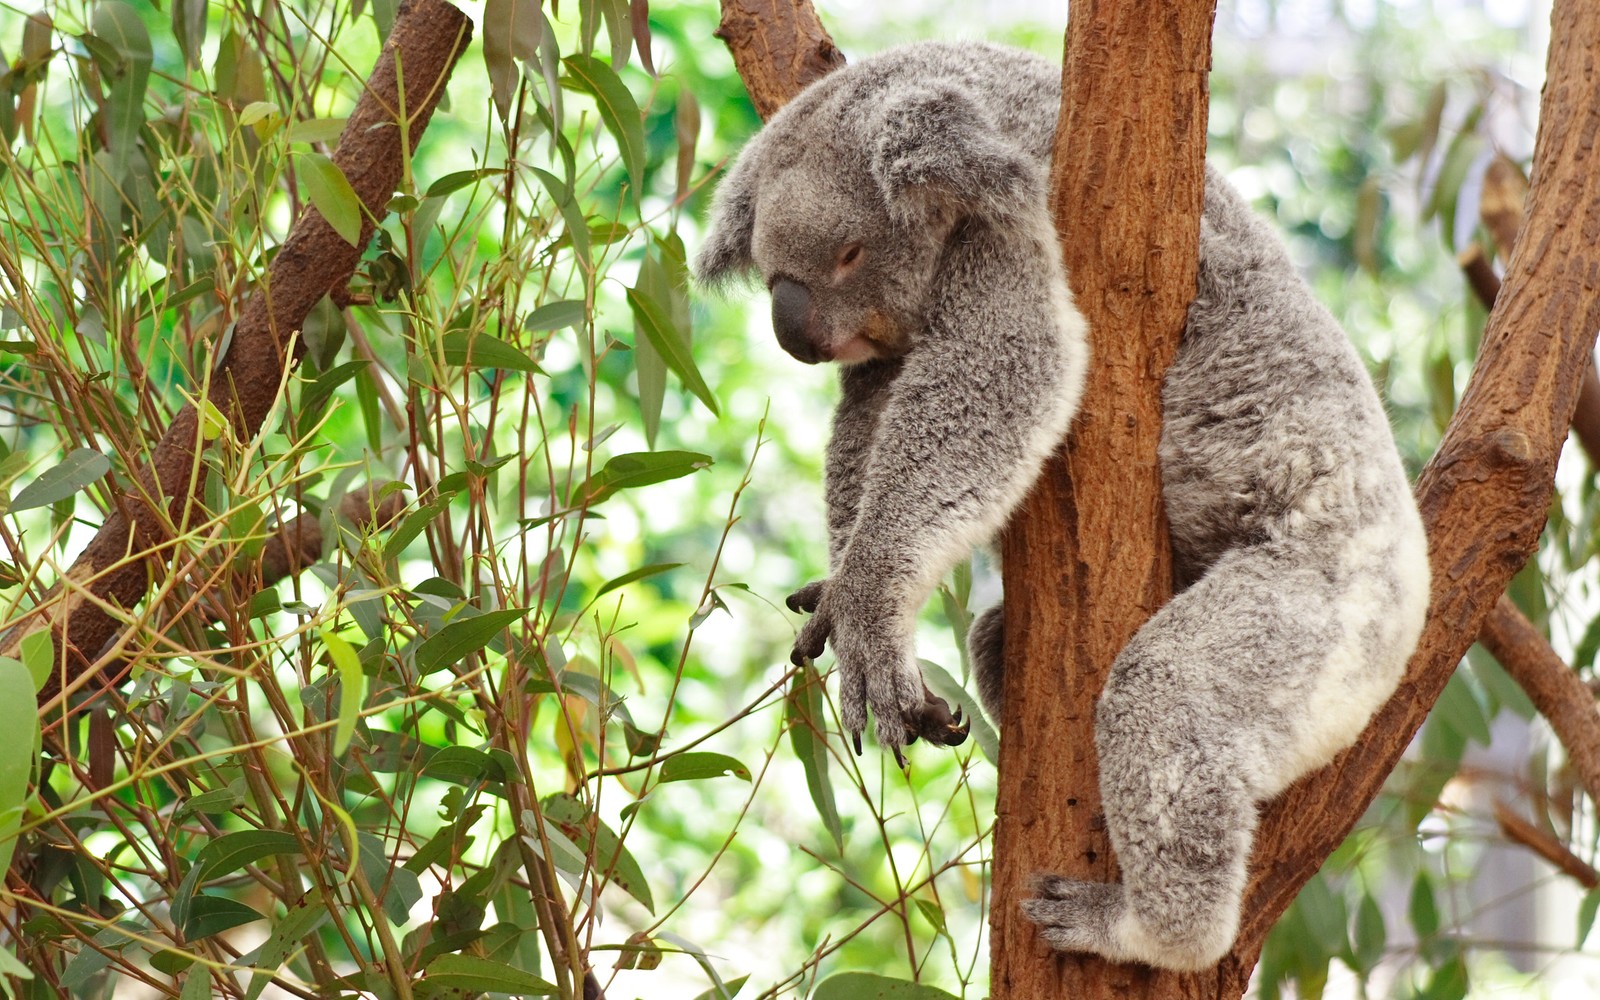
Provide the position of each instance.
(725, 254)
(938, 157)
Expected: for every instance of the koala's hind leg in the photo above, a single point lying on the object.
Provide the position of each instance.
(1183, 878)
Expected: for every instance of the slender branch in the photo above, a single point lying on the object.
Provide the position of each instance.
(116, 568)
(1520, 831)
(1555, 689)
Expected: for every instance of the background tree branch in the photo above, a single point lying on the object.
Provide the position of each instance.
(116, 567)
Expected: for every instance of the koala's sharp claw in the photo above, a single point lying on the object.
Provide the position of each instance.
(855, 738)
(900, 758)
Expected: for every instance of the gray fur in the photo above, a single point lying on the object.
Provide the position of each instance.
(1301, 560)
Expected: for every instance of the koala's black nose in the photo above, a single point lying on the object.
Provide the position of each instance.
(791, 319)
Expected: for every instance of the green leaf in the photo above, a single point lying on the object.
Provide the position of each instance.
(1586, 913)
(868, 986)
(618, 110)
(1449, 981)
(210, 915)
(317, 129)
(189, 30)
(119, 25)
(19, 720)
(290, 932)
(197, 986)
(464, 764)
(724, 991)
(634, 576)
(808, 739)
(81, 467)
(315, 395)
(557, 315)
(484, 351)
(481, 975)
(38, 651)
(611, 859)
(698, 766)
(451, 183)
(656, 324)
(644, 468)
(1424, 912)
(1371, 935)
(412, 526)
(462, 637)
(9, 966)
(511, 31)
(352, 689)
(331, 194)
(232, 851)
(1459, 709)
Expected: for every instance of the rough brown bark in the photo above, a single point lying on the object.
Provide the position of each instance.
(115, 568)
(1483, 498)
(778, 46)
(1086, 558)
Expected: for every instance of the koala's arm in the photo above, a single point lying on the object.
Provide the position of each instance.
(976, 407)
(863, 393)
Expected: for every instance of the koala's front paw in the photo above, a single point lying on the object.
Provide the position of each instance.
(877, 670)
(806, 598)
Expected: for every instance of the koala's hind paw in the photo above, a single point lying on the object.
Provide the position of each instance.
(1076, 916)
(934, 722)
(806, 598)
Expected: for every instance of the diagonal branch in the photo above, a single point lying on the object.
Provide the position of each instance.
(1485, 493)
(119, 562)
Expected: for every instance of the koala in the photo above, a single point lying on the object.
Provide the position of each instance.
(897, 212)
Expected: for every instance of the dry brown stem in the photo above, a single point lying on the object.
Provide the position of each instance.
(117, 565)
(1520, 831)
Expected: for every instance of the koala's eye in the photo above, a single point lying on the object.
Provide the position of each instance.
(849, 254)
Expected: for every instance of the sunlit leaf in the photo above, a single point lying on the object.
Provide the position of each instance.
(352, 688)
(618, 110)
(644, 468)
(672, 344)
(698, 766)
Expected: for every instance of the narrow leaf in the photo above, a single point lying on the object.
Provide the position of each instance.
(618, 110)
(611, 858)
(656, 324)
(644, 468)
(462, 637)
(352, 689)
(81, 467)
(482, 975)
(698, 766)
(331, 194)
(19, 720)
(484, 351)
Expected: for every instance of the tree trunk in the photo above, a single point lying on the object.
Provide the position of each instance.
(1086, 558)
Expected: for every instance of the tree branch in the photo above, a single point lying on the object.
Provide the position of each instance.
(117, 565)
(1485, 493)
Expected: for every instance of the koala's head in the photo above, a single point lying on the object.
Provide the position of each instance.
(844, 203)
